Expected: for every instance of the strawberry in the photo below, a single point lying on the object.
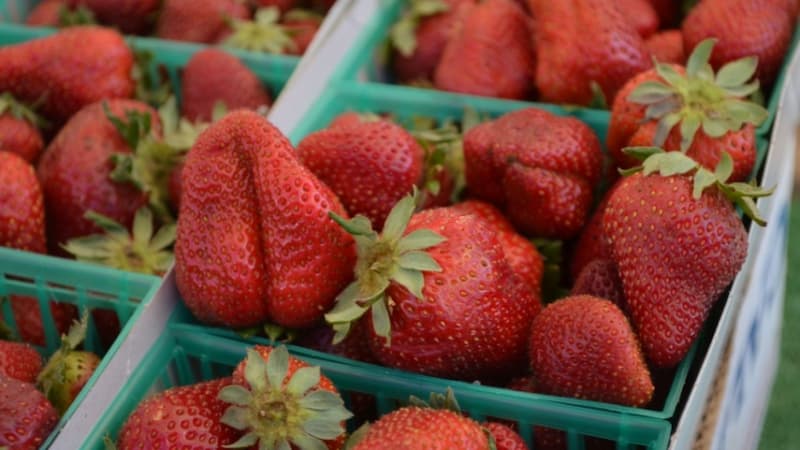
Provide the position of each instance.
(19, 361)
(129, 16)
(302, 26)
(21, 205)
(18, 129)
(744, 28)
(591, 243)
(435, 281)
(491, 54)
(76, 169)
(271, 402)
(249, 201)
(600, 278)
(46, 13)
(30, 324)
(667, 46)
(584, 47)
(264, 33)
(26, 417)
(183, 416)
(504, 437)
(282, 5)
(421, 34)
(213, 76)
(71, 69)
(640, 14)
(709, 108)
(539, 168)
(673, 272)
(584, 347)
(415, 428)
(203, 21)
(370, 164)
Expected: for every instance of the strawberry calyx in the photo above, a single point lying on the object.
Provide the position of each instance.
(701, 99)
(18, 110)
(383, 258)
(403, 34)
(152, 83)
(279, 411)
(262, 34)
(437, 400)
(298, 14)
(743, 195)
(71, 17)
(137, 251)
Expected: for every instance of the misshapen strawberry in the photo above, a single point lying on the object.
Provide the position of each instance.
(254, 240)
(491, 54)
(69, 70)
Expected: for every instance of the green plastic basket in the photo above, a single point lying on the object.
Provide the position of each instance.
(185, 354)
(367, 58)
(88, 287)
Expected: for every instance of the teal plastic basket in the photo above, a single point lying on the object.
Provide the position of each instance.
(186, 354)
(88, 287)
(367, 58)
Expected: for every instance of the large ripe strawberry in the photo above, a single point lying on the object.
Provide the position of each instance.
(442, 297)
(584, 347)
(678, 243)
(19, 131)
(421, 34)
(491, 54)
(184, 416)
(19, 361)
(26, 417)
(744, 28)
(21, 205)
(203, 21)
(129, 16)
(415, 428)
(280, 400)
(76, 171)
(69, 70)
(539, 168)
(369, 164)
(667, 46)
(692, 110)
(584, 47)
(213, 76)
(254, 240)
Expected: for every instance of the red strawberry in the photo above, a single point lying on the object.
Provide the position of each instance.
(213, 76)
(76, 168)
(203, 21)
(129, 16)
(504, 437)
(184, 416)
(600, 278)
(26, 417)
(640, 14)
(667, 46)
(712, 115)
(744, 28)
(302, 25)
(584, 42)
(584, 347)
(46, 13)
(434, 283)
(270, 379)
(491, 54)
(591, 244)
(539, 168)
(29, 323)
(69, 70)
(370, 165)
(419, 38)
(18, 129)
(21, 205)
(522, 255)
(672, 268)
(19, 361)
(249, 201)
(525, 383)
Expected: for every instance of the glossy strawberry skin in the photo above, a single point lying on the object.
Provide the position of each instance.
(19, 361)
(213, 75)
(592, 244)
(584, 347)
(761, 28)
(370, 165)
(583, 41)
(667, 46)
(201, 21)
(532, 157)
(21, 137)
(75, 173)
(26, 417)
(248, 201)
(675, 263)
(71, 69)
(474, 319)
(184, 417)
(21, 205)
(491, 55)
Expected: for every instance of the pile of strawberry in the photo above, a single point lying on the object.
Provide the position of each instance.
(272, 26)
(578, 52)
(33, 396)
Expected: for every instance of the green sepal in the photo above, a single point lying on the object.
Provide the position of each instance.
(277, 333)
(356, 436)
(235, 394)
(21, 111)
(246, 441)
(81, 15)
(152, 84)
(403, 33)
(133, 128)
(262, 34)
(304, 379)
(598, 100)
(491, 442)
(108, 443)
(52, 375)
(436, 400)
